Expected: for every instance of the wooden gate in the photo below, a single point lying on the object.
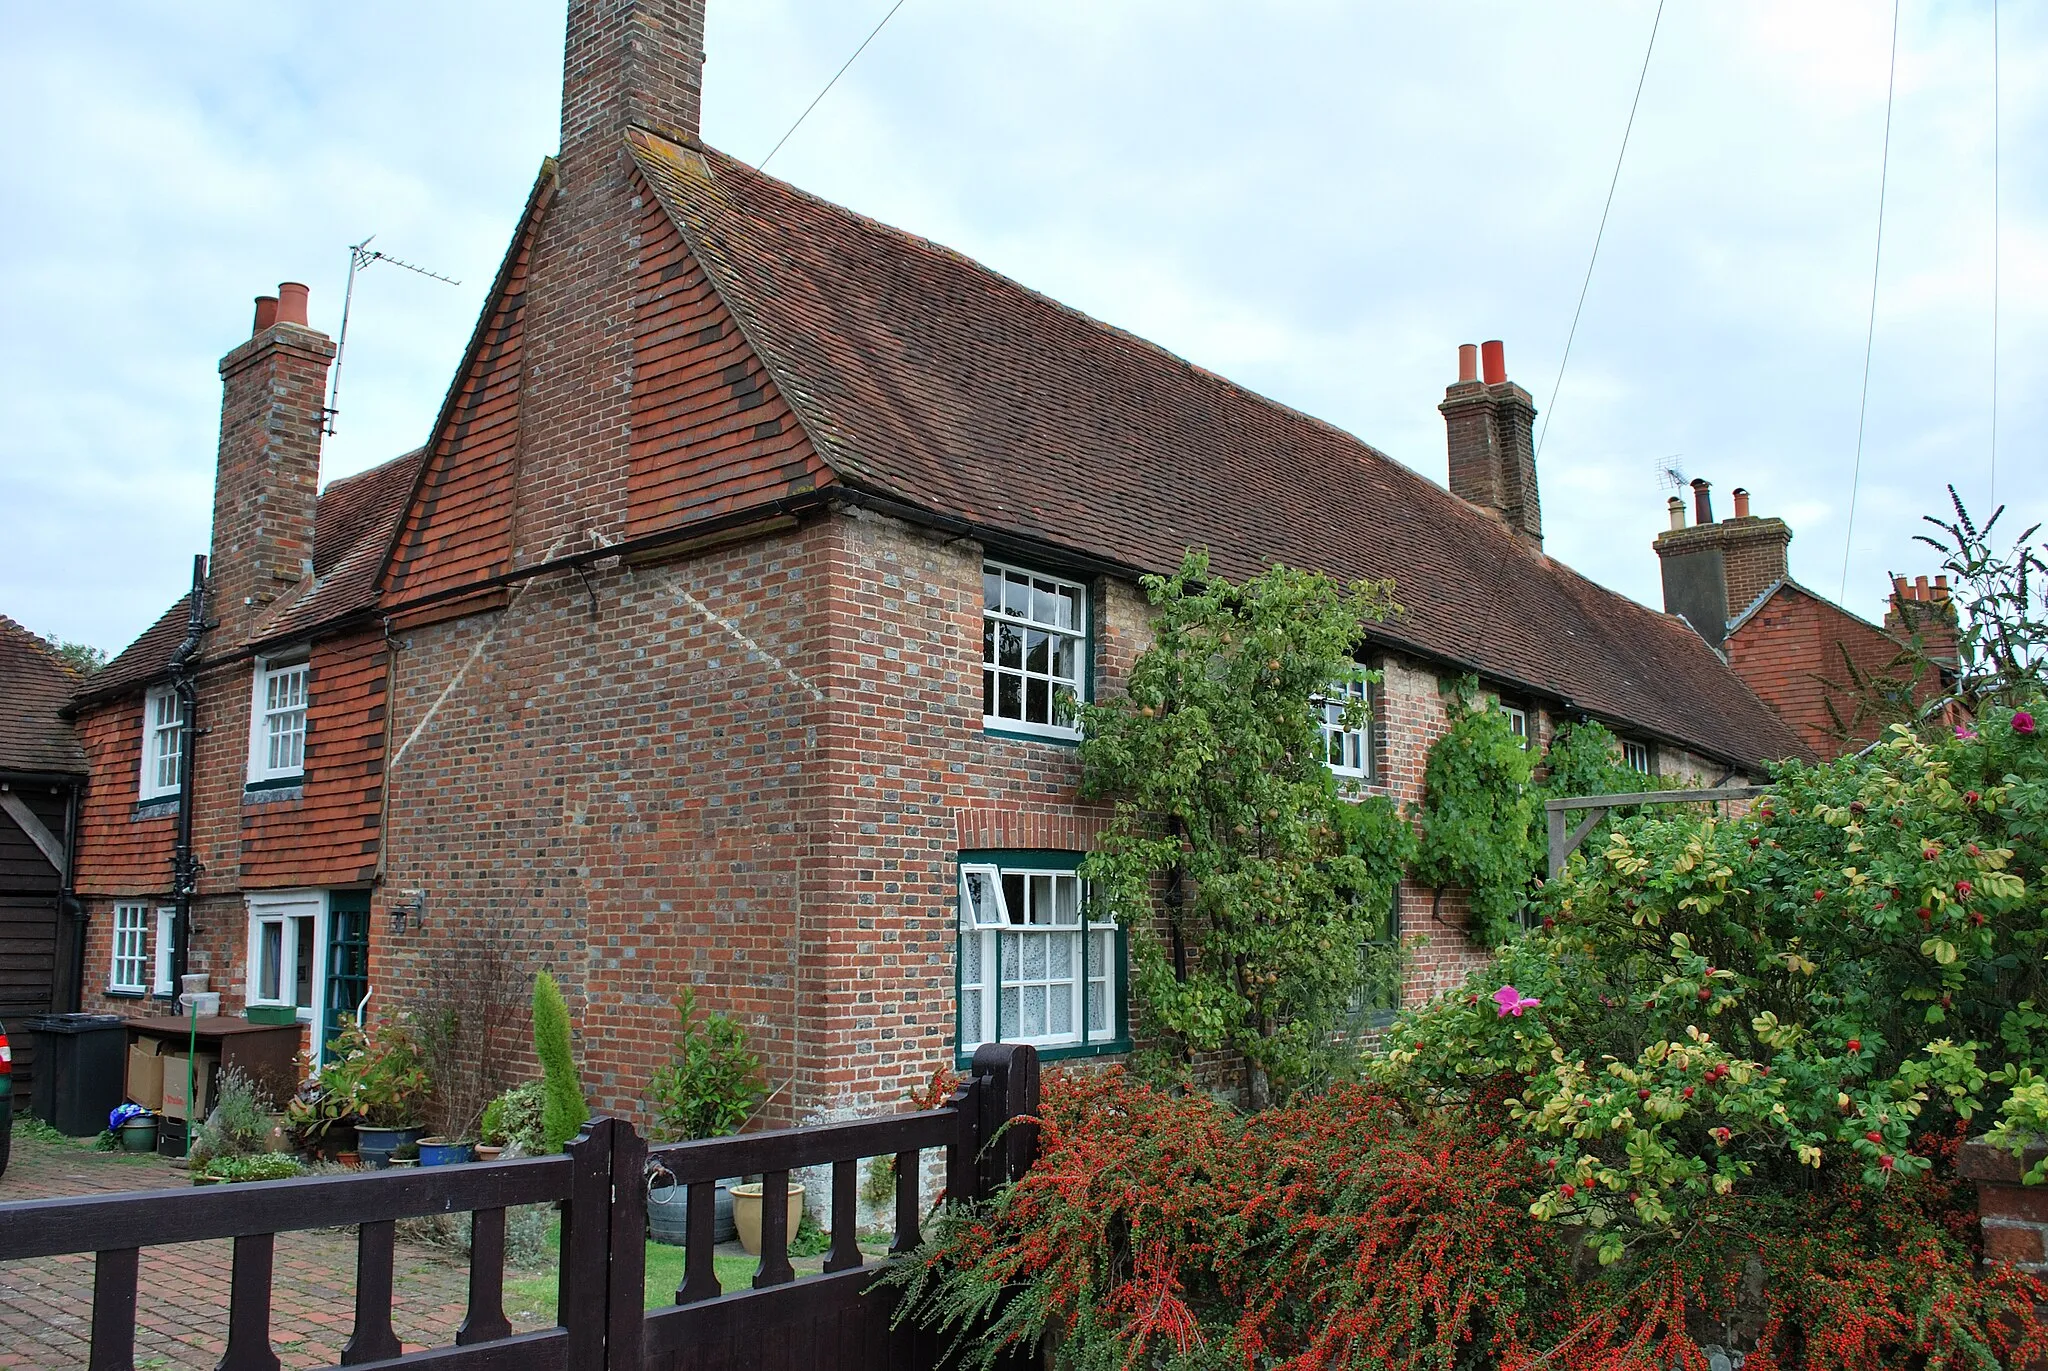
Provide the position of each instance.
(828, 1322)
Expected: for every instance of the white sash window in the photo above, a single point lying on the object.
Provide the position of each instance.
(1034, 968)
(277, 723)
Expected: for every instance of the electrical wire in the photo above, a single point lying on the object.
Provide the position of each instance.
(1614, 181)
(828, 86)
(1994, 254)
(1870, 333)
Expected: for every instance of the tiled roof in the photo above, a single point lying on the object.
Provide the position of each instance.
(34, 685)
(925, 376)
(352, 525)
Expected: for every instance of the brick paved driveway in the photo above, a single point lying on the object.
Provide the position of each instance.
(182, 1301)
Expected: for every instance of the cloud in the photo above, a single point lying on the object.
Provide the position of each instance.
(1317, 199)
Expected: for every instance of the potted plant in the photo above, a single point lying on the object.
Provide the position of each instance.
(237, 1127)
(708, 1089)
(439, 1151)
(513, 1123)
(746, 1213)
(390, 1088)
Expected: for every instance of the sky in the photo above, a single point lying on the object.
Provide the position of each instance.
(1319, 199)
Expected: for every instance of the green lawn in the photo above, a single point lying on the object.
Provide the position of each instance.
(531, 1295)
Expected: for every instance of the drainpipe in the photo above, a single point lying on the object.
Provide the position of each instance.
(70, 996)
(184, 866)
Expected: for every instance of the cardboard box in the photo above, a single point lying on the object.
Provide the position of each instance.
(174, 1085)
(146, 1073)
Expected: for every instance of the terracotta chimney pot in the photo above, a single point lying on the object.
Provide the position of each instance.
(291, 304)
(1468, 361)
(1741, 503)
(1702, 502)
(1494, 356)
(266, 313)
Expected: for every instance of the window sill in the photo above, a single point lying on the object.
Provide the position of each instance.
(295, 781)
(272, 792)
(1022, 735)
(155, 807)
(1069, 1052)
(114, 994)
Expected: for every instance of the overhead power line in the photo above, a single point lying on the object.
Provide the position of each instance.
(829, 84)
(1628, 128)
(1870, 332)
(1994, 254)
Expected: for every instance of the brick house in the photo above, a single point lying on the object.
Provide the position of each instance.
(727, 627)
(1793, 646)
(268, 726)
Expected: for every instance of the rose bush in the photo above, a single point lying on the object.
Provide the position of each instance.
(1769, 1005)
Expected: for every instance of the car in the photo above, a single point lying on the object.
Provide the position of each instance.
(6, 1099)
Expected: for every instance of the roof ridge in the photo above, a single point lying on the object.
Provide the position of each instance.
(43, 646)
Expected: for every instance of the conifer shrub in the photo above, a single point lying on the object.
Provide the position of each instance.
(563, 1111)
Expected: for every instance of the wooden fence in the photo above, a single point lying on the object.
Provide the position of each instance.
(827, 1322)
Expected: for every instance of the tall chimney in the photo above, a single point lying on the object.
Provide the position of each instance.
(625, 64)
(273, 389)
(1923, 611)
(1713, 572)
(1490, 426)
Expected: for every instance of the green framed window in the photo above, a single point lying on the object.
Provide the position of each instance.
(348, 959)
(1035, 965)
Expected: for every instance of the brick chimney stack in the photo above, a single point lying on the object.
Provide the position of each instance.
(1490, 425)
(625, 64)
(1713, 571)
(274, 392)
(1926, 610)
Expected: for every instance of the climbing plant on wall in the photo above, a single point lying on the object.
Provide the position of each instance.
(1247, 882)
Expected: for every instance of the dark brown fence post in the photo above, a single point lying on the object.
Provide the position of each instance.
(962, 1176)
(583, 1306)
(626, 1305)
(1008, 1073)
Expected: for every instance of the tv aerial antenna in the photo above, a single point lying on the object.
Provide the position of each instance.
(1670, 472)
(361, 257)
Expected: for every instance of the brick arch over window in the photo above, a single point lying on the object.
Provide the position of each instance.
(984, 827)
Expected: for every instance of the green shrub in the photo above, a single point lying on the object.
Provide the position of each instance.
(712, 1084)
(239, 1124)
(1830, 987)
(564, 1111)
(262, 1166)
(515, 1119)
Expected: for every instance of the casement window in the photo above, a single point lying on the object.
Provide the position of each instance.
(130, 969)
(163, 744)
(1518, 721)
(1637, 757)
(1034, 967)
(277, 723)
(1347, 750)
(286, 940)
(1034, 652)
(166, 941)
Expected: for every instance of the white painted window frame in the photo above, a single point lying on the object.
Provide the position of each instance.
(282, 907)
(162, 745)
(1518, 720)
(1631, 750)
(984, 918)
(994, 671)
(1347, 743)
(166, 943)
(284, 671)
(130, 949)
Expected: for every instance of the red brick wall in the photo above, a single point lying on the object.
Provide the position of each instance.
(119, 852)
(1785, 649)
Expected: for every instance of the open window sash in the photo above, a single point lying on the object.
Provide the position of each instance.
(981, 898)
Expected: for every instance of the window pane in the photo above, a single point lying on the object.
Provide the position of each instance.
(991, 590)
(1066, 711)
(970, 959)
(1037, 700)
(1041, 899)
(1010, 697)
(1038, 652)
(1070, 607)
(1060, 956)
(1016, 595)
(302, 965)
(988, 692)
(970, 1018)
(1013, 895)
(988, 640)
(1034, 960)
(1066, 900)
(1064, 655)
(1034, 1010)
(1061, 1006)
(269, 959)
(981, 898)
(1010, 647)
(1045, 603)
(1006, 1018)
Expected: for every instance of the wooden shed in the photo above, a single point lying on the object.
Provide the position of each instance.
(42, 780)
